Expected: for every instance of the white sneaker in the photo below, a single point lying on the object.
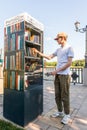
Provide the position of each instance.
(56, 114)
(66, 119)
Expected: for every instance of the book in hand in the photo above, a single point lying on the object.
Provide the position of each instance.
(48, 74)
(33, 53)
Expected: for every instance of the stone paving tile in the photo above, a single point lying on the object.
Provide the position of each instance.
(37, 125)
(42, 125)
(74, 113)
(83, 110)
(52, 128)
(79, 124)
(66, 127)
(33, 126)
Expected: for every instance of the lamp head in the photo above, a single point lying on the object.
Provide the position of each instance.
(77, 25)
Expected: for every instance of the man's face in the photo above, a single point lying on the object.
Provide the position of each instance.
(59, 40)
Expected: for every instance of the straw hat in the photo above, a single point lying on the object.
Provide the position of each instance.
(62, 34)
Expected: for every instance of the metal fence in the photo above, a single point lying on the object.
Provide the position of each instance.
(78, 71)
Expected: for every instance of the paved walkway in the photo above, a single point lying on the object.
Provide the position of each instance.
(78, 99)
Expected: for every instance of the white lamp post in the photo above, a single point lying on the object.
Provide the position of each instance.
(82, 30)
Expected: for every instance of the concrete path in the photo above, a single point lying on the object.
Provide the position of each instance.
(78, 99)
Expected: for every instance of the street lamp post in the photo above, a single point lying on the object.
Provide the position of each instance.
(82, 30)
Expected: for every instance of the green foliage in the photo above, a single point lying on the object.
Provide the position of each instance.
(76, 63)
(8, 126)
(51, 63)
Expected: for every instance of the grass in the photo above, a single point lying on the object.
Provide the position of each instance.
(4, 125)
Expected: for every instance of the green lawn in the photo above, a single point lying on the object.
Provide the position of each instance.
(8, 126)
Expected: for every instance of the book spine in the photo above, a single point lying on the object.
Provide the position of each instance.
(16, 78)
(21, 82)
(13, 80)
(18, 82)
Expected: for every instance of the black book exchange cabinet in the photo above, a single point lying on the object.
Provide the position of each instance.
(23, 69)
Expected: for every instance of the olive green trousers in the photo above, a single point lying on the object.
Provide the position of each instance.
(62, 85)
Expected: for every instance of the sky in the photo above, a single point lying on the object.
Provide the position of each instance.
(56, 16)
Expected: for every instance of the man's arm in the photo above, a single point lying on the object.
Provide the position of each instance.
(68, 64)
(44, 55)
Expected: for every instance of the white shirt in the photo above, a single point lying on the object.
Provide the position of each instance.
(63, 53)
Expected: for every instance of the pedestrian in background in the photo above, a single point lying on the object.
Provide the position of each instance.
(64, 55)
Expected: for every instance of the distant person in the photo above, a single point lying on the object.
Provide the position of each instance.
(62, 76)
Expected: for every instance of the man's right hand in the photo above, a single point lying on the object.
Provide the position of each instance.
(35, 50)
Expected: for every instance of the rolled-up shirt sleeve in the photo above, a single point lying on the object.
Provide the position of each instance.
(70, 52)
(55, 53)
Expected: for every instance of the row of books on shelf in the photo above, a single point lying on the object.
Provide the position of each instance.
(32, 37)
(13, 80)
(13, 42)
(14, 62)
(20, 60)
(29, 51)
(18, 81)
(14, 28)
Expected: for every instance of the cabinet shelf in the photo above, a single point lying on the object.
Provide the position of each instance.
(33, 28)
(30, 57)
(13, 52)
(15, 70)
(30, 43)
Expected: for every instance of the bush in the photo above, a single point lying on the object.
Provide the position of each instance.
(4, 125)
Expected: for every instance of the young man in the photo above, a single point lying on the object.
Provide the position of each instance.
(62, 78)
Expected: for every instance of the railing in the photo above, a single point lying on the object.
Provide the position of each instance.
(79, 72)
